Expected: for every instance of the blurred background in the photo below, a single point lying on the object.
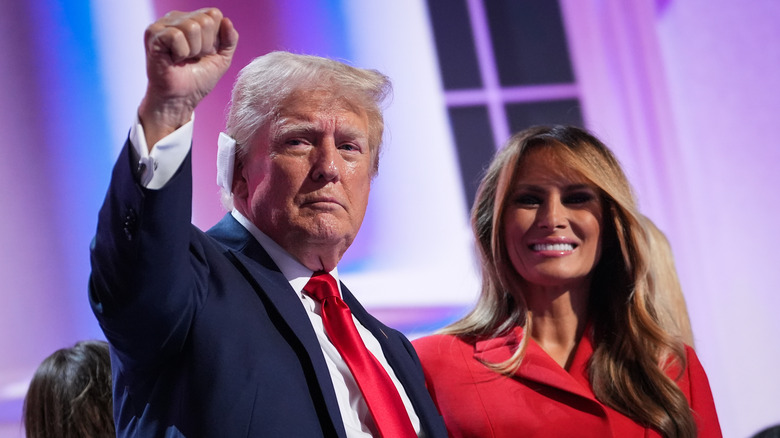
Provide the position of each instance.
(687, 94)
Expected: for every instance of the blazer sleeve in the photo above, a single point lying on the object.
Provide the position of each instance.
(700, 397)
(147, 271)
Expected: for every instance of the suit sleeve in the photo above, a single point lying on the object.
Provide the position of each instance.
(700, 398)
(147, 276)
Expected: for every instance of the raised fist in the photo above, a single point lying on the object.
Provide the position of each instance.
(186, 55)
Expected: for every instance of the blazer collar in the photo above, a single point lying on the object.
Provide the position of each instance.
(267, 279)
(538, 366)
(273, 288)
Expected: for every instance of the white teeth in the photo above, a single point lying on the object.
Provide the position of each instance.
(553, 247)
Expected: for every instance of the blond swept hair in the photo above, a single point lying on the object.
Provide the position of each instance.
(631, 349)
(668, 295)
(264, 85)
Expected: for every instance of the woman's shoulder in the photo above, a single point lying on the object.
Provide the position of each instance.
(439, 345)
(436, 341)
(682, 372)
(696, 386)
(690, 357)
(445, 358)
(694, 378)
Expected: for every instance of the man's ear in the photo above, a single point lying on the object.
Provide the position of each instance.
(239, 185)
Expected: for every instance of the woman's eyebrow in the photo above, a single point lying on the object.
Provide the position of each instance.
(536, 188)
(541, 188)
(579, 187)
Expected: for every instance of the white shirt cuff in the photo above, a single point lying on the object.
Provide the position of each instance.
(157, 167)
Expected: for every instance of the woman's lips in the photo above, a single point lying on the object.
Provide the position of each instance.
(553, 247)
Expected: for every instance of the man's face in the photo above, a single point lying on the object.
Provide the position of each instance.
(306, 179)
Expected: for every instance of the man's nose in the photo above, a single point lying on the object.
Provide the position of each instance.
(325, 166)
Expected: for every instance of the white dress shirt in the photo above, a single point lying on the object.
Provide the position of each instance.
(155, 169)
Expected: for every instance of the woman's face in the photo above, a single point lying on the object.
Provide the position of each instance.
(552, 223)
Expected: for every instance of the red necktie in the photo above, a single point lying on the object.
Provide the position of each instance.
(378, 389)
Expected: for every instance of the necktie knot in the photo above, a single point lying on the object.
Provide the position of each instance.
(321, 285)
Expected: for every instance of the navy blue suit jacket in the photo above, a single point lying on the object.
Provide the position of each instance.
(207, 336)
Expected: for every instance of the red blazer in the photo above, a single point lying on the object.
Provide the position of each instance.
(543, 399)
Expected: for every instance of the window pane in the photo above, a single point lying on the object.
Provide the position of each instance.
(529, 42)
(454, 44)
(553, 112)
(474, 140)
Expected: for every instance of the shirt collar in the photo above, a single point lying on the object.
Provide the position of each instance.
(295, 273)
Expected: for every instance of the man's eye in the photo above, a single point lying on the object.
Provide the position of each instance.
(349, 147)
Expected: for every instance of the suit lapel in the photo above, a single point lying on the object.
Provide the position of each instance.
(398, 355)
(268, 281)
(363, 316)
(366, 319)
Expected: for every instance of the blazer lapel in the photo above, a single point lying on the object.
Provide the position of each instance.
(268, 281)
(537, 365)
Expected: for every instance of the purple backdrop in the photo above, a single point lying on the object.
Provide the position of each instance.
(686, 93)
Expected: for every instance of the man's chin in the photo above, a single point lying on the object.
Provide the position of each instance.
(324, 231)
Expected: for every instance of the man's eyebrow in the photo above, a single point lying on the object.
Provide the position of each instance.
(285, 127)
(352, 133)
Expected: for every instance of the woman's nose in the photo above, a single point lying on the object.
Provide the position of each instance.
(551, 215)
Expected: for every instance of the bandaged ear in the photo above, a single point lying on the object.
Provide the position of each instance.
(226, 160)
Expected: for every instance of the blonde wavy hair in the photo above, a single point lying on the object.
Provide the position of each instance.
(669, 298)
(631, 349)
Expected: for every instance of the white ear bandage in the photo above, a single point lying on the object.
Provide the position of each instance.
(226, 159)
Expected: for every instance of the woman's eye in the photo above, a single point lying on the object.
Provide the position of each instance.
(527, 200)
(578, 198)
